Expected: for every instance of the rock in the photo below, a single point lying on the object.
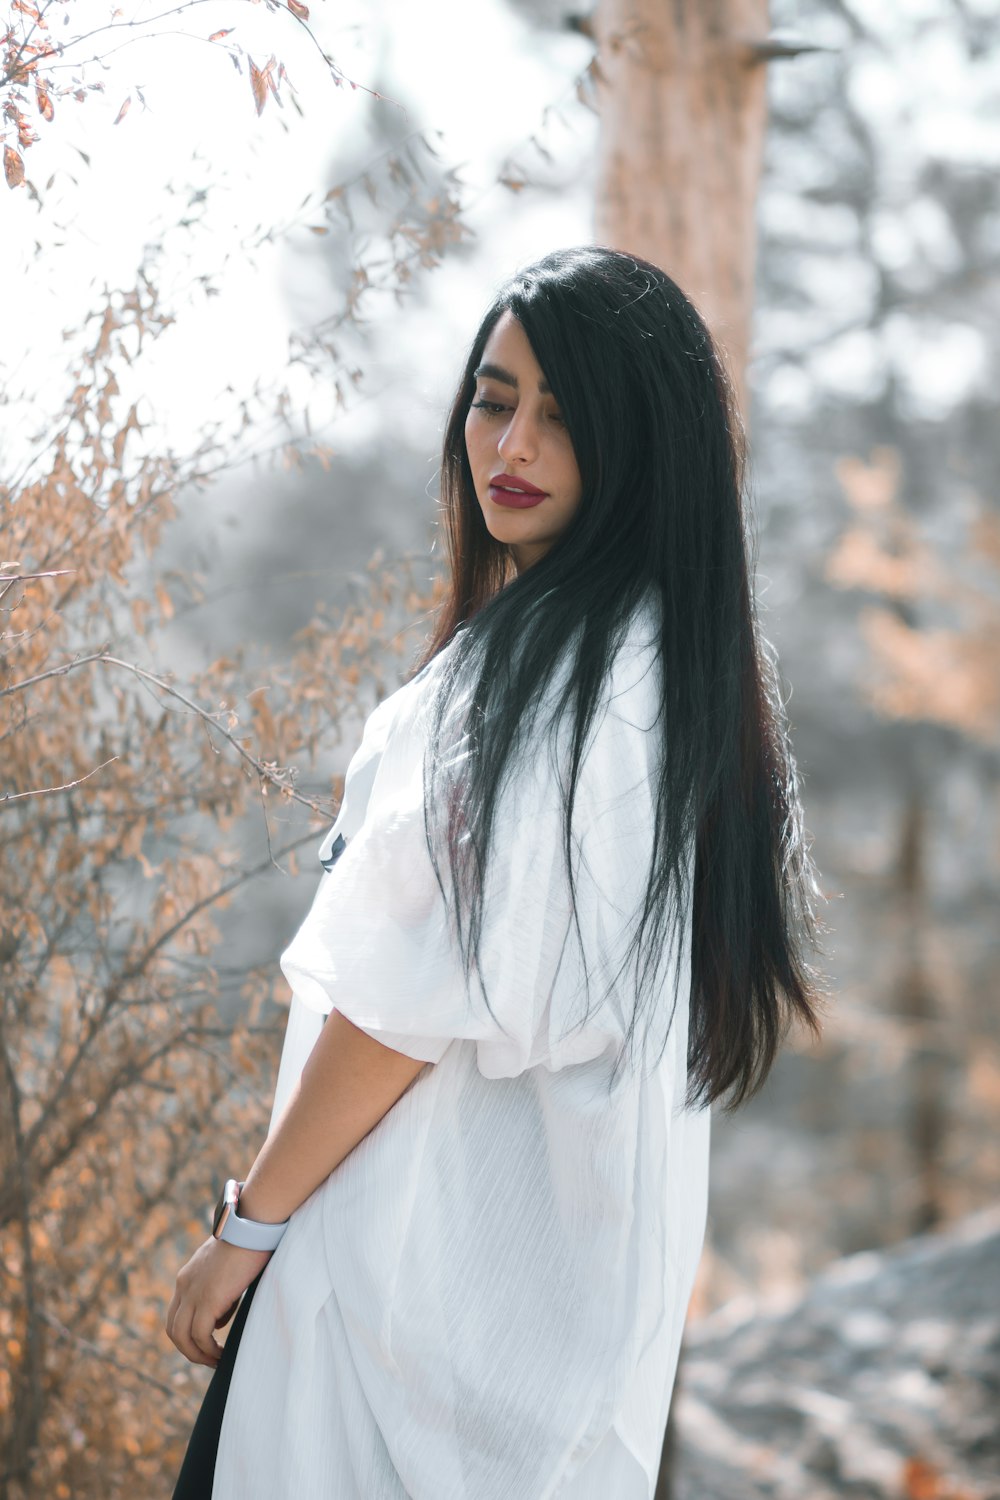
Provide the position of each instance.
(881, 1383)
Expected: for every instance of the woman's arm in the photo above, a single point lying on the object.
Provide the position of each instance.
(348, 1083)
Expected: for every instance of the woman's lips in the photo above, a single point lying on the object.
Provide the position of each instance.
(519, 499)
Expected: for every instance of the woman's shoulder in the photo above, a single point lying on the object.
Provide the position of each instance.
(645, 624)
(633, 679)
(384, 728)
(628, 710)
(410, 694)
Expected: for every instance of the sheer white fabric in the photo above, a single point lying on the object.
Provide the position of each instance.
(485, 1300)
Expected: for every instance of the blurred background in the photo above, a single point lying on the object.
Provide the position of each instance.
(236, 311)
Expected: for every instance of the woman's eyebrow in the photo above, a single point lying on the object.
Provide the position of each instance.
(496, 372)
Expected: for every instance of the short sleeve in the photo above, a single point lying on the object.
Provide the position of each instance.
(377, 943)
(361, 772)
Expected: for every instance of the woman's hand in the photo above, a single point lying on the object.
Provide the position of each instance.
(208, 1289)
(348, 1083)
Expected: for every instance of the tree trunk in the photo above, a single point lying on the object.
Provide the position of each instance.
(683, 114)
(917, 1002)
(683, 109)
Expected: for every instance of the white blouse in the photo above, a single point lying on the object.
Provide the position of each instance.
(485, 1300)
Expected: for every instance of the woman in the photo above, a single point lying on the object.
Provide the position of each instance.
(562, 926)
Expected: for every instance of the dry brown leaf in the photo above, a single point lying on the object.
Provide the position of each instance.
(269, 75)
(218, 35)
(165, 602)
(44, 101)
(298, 9)
(920, 1481)
(258, 84)
(25, 135)
(123, 111)
(13, 167)
(871, 485)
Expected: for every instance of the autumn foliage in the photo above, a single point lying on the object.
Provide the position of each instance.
(931, 616)
(125, 1091)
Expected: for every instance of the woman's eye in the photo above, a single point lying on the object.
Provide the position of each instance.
(496, 406)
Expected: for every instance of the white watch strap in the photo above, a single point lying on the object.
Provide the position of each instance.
(250, 1234)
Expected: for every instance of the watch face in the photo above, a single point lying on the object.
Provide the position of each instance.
(227, 1202)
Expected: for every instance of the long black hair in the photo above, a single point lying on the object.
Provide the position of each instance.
(661, 451)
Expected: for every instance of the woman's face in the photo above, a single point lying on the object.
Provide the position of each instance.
(514, 431)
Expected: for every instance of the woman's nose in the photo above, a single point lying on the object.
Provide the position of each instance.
(519, 439)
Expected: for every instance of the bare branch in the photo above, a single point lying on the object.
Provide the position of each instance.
(98, 1021)
(49, 791)
(777, 45)
(28, 1398)
(277, 779)
(96, 1352)
(135, 968)
(60, 671)
(7, 579)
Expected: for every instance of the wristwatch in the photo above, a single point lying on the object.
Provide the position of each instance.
(249, 1234)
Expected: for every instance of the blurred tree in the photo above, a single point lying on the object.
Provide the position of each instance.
(871, 371)
(878, 452)
(121, 1090)
(683, 117)
(931, 622)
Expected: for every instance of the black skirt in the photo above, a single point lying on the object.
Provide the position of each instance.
(198, 1469)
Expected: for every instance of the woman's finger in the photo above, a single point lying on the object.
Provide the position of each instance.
(180, 1321)
(201, 1336)
(191, 1349)
(171, 1314)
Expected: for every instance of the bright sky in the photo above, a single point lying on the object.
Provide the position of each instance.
(200, 128)
(483, 77)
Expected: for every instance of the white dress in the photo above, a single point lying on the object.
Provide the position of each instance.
(485, 1300)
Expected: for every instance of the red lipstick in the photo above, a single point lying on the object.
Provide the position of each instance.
(509, 489)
